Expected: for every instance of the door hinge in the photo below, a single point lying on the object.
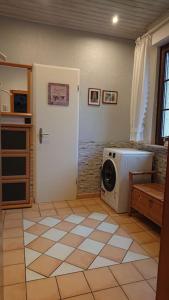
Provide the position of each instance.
(78, 88)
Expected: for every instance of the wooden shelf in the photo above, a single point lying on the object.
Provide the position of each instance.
(15, 65)
(13, 114)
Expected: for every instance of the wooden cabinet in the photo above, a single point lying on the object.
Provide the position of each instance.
(147, 199)
(15, 163)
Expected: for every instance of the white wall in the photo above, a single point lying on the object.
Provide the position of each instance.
(104, 62)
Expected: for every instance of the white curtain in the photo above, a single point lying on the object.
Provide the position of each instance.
(140, 88)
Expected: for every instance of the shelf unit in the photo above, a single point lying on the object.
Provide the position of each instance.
(16, 161)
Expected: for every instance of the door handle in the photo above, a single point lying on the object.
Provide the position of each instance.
(41, 134)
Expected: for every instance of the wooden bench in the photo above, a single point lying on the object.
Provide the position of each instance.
(146, 198)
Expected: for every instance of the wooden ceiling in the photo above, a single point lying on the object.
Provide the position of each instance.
(135, 16)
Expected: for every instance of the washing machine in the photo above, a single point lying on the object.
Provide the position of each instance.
(117, 163)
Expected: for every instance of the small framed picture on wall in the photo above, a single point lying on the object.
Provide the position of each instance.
(94, 96)
(109, 97)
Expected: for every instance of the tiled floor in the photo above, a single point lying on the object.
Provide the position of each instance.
(79, 250)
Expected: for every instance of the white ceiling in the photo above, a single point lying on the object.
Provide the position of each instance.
(135, 16)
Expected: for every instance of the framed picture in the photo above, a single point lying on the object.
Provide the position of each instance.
(94, 96)
(58, 94)
(109, 97)
(20, 102)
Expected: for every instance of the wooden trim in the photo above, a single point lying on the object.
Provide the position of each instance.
(158, 138)
(15, 65)
(29, 86)
(16, 125)
(24, 205)
(13, 114)
(163, 271)
(88, 195)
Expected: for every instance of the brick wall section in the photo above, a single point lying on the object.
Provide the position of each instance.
(90, 160)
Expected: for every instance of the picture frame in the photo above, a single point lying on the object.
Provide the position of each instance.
(109, 97)
(58, 94)
(19, 101)
(94, 96)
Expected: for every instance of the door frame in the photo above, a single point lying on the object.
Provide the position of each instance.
(163, 269)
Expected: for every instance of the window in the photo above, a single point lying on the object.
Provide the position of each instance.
(163, 97)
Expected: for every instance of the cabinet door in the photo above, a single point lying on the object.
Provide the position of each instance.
(135, 199)
(156, 211)
(15, 192)
(15, 166)
(14, 139)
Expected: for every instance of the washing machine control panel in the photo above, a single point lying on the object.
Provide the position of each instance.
(112, 154)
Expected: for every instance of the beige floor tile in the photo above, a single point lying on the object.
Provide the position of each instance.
(32, 214)
(74, 203)
(72, 240)
(12, 244)
(93, 208)
(80, 209)
(100, 236)
(135, 247)
(64, 211)
(110, 220)
(13, 257)
(45, 265)
(60, 204)
(14, 274)
(152, 248)
(80, 259)
(65, 226)
(153, 283)
(139, 291)
(41, 244)
(131, 228)
(148, 268)
(48, 213)
(100, 279)
(44, 289)
(72, 285)
(123, 220)
(126, 273)
(90, 223)
(82, 297)
(88, 201)
(15, 292)
(142, 237)
(12, 223)
(122, 232)
(13, 232)
(113, 253)
(38, 229)
(115, 293)
(45, 206)
(14, 216)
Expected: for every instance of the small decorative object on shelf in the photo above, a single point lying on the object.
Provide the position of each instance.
(109, 97)
(20, 101)
(94, 96)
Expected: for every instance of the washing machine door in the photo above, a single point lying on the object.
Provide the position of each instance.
(109, 175)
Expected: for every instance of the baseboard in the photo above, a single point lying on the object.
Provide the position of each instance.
(88, 195)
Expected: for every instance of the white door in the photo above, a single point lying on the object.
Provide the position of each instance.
(56, 162)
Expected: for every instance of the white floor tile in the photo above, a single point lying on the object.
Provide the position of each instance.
(60, 251)
(27, 224)
(102, 262)
(30, 275)
(98, 216)
(29, 237)
(91, 246)
(107, 227)
(82, 230)
(132, 256)
(65, 268)
(30, 256)
(54, 234)
(74, 219)
(120, 241)
(49, 221)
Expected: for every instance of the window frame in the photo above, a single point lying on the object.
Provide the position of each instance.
(159, 139)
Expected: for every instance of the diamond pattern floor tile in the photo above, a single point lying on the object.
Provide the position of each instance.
(82, 230)
(91, 246)
(76, 242)
(60, 251)
(54, 234)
